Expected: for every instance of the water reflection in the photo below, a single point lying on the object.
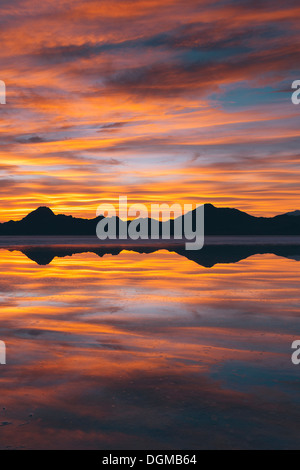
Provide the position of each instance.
(149, 351)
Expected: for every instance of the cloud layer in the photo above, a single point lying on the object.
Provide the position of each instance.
(185, 101)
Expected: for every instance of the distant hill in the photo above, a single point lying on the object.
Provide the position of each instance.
(226, 221)
(295, 213)
(218, 221)
(44, 222)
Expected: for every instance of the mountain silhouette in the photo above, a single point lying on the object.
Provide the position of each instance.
(295, 213)
(42, 214)
(43, 221)
(218, 221)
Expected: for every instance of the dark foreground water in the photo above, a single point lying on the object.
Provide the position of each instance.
(149, 351)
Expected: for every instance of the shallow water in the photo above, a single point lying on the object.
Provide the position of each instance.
(149, 351)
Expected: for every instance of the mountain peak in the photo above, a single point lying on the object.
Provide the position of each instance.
(295, 213)
(42, 212)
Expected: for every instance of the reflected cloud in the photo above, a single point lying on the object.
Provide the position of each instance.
(148, 350)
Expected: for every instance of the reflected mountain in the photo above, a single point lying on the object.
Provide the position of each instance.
(208, 256)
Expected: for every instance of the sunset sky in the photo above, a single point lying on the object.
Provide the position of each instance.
(173, 101)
